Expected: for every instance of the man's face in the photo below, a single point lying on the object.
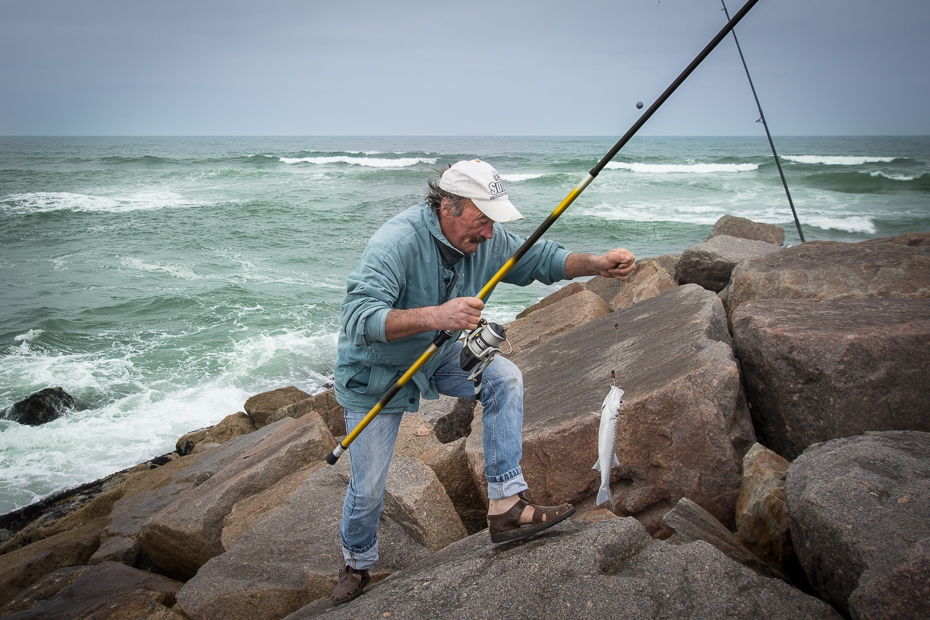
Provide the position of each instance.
(467, 231)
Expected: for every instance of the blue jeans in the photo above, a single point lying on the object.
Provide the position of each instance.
(370, 453)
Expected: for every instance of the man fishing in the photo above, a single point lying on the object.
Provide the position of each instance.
(419, 274)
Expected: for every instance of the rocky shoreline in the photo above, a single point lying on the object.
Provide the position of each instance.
(774, 444)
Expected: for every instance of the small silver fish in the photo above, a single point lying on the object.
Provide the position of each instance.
(606, 439)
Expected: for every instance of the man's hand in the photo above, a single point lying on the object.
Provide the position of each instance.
(460, 313)
(618, 263)
(457, 314)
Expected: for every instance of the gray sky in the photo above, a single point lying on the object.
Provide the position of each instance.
(289, 67)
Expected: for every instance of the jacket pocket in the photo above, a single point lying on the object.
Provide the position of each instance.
(375, 379)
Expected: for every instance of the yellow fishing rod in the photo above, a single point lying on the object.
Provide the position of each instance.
(444, 336)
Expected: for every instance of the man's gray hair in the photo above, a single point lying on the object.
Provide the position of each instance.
(435, 194)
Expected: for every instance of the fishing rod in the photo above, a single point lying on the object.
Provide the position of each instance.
(444, 336)
(784, 182)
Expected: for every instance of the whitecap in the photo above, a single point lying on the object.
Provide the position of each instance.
(850, 224)
(371, 162)
(681, 168)
(178, 271)
(893, 177)
(837, 160)
(46, 202)
(516, 178)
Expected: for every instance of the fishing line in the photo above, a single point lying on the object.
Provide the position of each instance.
(444, 336)
(784, 182)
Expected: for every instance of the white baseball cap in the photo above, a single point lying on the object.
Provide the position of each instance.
(479, 182)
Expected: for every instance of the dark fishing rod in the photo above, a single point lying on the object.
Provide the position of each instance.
(784, 182)
(444, 336)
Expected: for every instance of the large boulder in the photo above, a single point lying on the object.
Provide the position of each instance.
(450, 417)
(820, 370)
(324, 404)
(684, 425)
(230, 426)
(23, 567)
(43, 407)
(649, 279)
(554, 319)
(186, 534)
(859, 511)
(262, 406)
(291, 557)
(710, 264)
(761, 510)
(747, 229)
(108, 591)
(830, 270)
(548, 300)
(578, 569)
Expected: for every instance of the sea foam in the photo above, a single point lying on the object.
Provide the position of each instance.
(45, 202)
(371, 162)
(681, 168)
(837, 160)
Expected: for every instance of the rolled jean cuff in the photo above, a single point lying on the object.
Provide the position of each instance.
(363, 560)
(509, 484)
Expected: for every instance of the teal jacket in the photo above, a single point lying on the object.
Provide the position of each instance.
(408, 263)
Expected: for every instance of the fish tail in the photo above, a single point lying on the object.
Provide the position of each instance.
(603, 495)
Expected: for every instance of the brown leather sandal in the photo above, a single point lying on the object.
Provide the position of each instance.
(351, 583)
(506, 526)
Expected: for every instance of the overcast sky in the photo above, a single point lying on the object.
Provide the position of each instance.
(307, 67)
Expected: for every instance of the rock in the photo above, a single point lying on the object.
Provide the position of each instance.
(43, 589)
(418, 503)
(324, 404)
(761, 512)
(830, 270)
(605, 288)
(747, 229)
(146, 492)
(42, 407)
(291, 558)
(649, 279)
(559, 295)
(108, 591)
(450, 464)
(820, 370)
(21, 568)
(231, 426)
(684, 425)
(262, 406)
(414, 437)
(692, 523)
(557, 318)
(186, 534)
(577, 569)
(248, 513)
(858, 510)
(450, 417)
(710, 264)
(914, 240)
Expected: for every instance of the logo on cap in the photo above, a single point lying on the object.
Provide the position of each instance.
(496, 188)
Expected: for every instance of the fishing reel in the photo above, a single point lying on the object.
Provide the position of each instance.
(480, 347)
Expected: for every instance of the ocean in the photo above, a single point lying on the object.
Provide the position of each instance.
(165, 280)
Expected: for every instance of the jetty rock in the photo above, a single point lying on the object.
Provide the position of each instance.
(859, 511)
(819, 370)
(742, 228)
(711, 263)
(611, 569)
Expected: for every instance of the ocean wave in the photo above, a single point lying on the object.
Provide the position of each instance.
(517, 178)
(47, 202)
(371, 162)
(850, 224)
(178, 271)
(893, 177)
(681, 168)
(837, 160)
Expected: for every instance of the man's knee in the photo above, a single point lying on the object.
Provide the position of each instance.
(507, 375)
